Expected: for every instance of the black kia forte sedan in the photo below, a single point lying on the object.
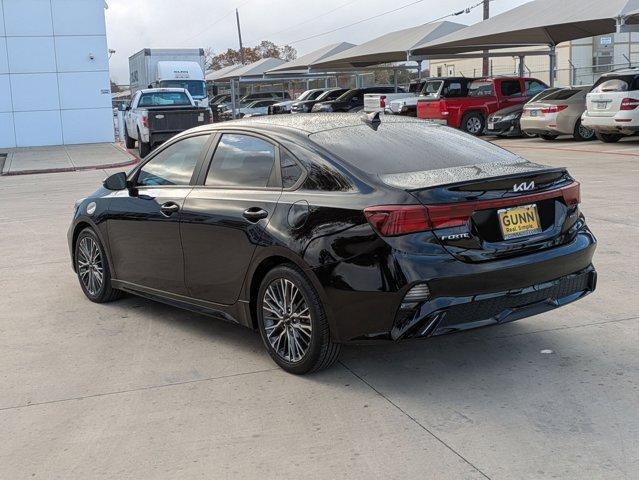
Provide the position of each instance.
(323, 230)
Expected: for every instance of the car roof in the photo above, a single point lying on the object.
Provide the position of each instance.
(305, 123)
(622, 71)
(171, 89)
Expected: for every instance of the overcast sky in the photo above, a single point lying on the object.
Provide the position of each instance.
(133, 25)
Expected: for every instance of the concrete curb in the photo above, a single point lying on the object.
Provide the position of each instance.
(134, 159)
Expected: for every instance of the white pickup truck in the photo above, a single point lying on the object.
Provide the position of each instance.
(156, 114)
(381, 102)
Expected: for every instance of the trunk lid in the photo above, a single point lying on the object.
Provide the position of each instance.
(604, 104)
(482, 205)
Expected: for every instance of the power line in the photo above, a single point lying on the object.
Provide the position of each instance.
(460, 12)
(311, 19)
(230, 12)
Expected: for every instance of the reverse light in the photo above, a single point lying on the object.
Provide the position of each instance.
(629, 104)
(419, 293)
(553, 109)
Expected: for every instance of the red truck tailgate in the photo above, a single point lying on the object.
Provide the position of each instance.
(432, 109)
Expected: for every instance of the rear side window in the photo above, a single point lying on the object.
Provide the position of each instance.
(406, 147)
(241, 161)
(162, 99)
(174, 165)
(454, 89)
(291, 171)
(480, 88)
(510, 88)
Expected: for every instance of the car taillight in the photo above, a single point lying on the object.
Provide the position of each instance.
(553, 109)
(443, 109)
(393, 220)
(629, 104)
(382, 101)
(145, 121)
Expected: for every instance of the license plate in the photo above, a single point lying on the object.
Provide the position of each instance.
(519, 222)
(601, 105)
(534, 113)
(491, 126)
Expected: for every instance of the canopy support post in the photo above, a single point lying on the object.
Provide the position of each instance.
(395, 79)
(419, 69)
(552, 57)
(521, 65)
(233, 93)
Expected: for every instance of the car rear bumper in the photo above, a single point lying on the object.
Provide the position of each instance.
(508, 288)
(622, 122)
(503, 127)
(553, 124)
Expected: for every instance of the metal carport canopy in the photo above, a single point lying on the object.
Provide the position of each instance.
(540, 22)
(215, 75)
(303, 62)
(255, 69)
(389, 48)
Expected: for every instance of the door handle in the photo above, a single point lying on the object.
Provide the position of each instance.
(169, 208)
(255, 214)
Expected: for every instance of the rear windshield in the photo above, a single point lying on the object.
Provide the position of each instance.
(163, 99)
(432, 87)
(408, 147)
(563, 94)
(480, 88)
(331, 94)
(621, 83)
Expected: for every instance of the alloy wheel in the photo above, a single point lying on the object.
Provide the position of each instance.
(473, 125)
(90, 267)
(585, 132)
(287, 320)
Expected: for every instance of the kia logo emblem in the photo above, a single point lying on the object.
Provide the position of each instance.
(523, 186)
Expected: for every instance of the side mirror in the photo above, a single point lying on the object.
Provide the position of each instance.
(115, 182)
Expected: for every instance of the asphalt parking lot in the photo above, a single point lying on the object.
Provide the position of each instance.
(135, 389)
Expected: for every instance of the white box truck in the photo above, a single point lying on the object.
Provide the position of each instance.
(170, 68)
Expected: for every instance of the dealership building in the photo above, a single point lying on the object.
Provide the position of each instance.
(54, 73)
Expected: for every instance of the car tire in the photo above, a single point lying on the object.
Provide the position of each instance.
(298, 342)
(92, 268)
(583, 134)
(129, 142)
(473, 123)
(143, 148)
(549, 137)
(608, 137)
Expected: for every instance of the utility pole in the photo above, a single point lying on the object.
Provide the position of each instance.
(239, 34)
(484, 67)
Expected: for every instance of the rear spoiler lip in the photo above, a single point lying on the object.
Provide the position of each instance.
(470, 174)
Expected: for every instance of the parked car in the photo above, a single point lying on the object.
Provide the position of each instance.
(220, 98)
(305, 106)
(612, 105)
(485, 96)
(156, 114)
(558, 113)
(252, 109)
(280, 96)
(350, 101)
(380, 102)
(506, 122)
(318, 233)
(433, 88)
(285, 106)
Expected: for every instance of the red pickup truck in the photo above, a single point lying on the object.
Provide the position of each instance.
(485, 96)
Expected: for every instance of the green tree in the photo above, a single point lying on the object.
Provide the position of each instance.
(265, 49)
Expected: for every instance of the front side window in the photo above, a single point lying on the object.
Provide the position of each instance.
(510, 88)
(164, 99)
(174, 165)
(533, 87)
(241, 161)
